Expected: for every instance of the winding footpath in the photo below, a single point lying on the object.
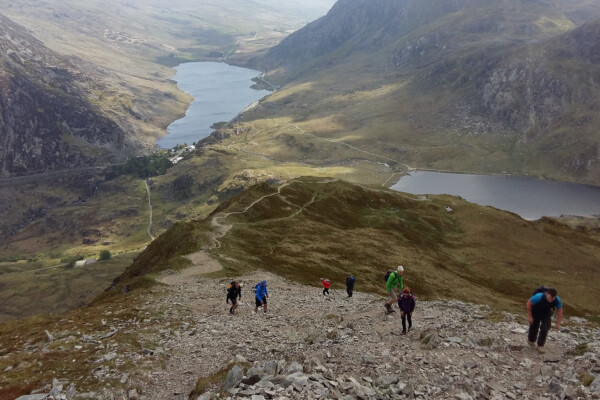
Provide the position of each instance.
(150, 208)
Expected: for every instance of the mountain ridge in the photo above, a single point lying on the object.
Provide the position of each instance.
(516, 80)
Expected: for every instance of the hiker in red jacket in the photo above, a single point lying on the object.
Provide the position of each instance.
(326, 285)
(406, 303)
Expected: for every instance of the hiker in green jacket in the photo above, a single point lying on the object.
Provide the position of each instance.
(394, 287)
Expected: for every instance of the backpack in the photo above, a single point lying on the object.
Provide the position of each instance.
(387, 274)
(256, 287)
(541, 289)
(232, 284)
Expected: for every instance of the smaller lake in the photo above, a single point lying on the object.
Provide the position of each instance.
(220, 92)
(528, 197)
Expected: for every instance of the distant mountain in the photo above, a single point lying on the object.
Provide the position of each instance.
(517, 79)
(46, 121)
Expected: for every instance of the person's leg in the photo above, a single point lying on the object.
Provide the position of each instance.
(545, 327)
(350, 293)
(392, 300)
(324, 290)
(265, 305)
(409, 317)
(533, 331)
(403, 315)
(257, 303)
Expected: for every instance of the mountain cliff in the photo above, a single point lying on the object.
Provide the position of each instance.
(46, 121)
(517, 80)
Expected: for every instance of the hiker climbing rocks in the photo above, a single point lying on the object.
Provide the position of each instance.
(393, 285)
(326, 285)
(540, 308)
(406, 303)
(233, 293)
(261, 296)
(350, 285)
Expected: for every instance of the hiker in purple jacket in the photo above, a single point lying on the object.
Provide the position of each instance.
(406, 303)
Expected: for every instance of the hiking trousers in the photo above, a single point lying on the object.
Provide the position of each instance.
(543, 326)
(349, 291)
(406, 316)
(325, 291)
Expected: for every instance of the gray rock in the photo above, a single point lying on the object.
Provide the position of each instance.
(554, 386)
(71, 392)
(33, 397)
(109, 357)
(234, 377)
(385, 381)
(49, 336)
(270, 368)
(239, 359)
(408, 391)
(295, 367)
(470, 364)
(132, 394)
(552, 358)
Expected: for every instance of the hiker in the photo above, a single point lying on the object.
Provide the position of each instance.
(233, 293)
(326, 285)
(349, 285)
(261, 296)
(540, 308)
(394, 285)
(406, 303)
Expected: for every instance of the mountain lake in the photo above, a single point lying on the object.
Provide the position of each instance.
(528, 197)
(220, 92)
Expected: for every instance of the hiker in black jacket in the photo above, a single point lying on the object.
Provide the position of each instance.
(350, 285)
(233, 293)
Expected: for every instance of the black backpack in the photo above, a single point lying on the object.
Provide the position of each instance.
(541, 289)
(387, 274)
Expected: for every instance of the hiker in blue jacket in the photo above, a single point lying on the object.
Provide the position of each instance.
(261, 296)
(540, 308)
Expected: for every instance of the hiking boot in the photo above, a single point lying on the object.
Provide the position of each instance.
(404, 332)
(541, 349)
(531, 344)
(231, 311)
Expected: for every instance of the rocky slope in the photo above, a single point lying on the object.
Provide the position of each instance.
(523, 71)
(46, 121)
(305, 347)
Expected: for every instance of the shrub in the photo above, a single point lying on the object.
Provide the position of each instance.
(105, 255)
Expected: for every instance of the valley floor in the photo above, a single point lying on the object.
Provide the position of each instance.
(347, 348)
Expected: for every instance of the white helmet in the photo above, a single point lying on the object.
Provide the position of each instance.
(400, 268)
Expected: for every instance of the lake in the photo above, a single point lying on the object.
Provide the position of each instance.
(528, 197)
(220, 92)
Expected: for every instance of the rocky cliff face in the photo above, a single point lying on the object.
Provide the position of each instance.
(46, 123)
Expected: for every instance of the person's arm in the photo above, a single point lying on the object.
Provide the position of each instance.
(559, 315)
(401, 283)
(240, 292)
(529, 314)
(412, 305)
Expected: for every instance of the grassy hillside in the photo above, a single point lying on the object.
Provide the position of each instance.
(314, 227)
